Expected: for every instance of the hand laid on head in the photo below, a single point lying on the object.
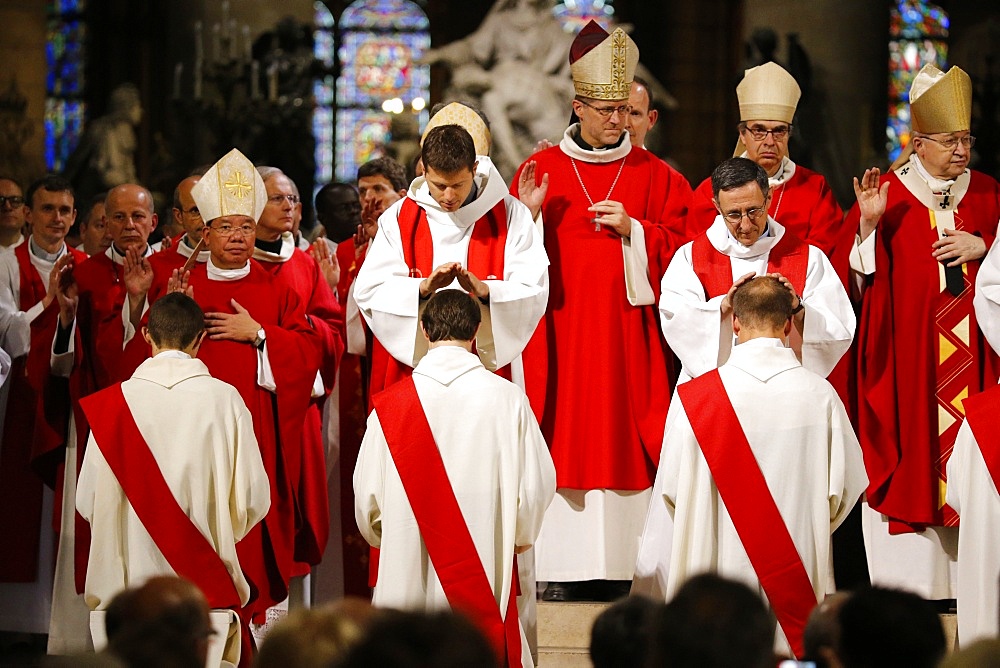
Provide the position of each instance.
(532, 195)
(471, 284)
(958, 247)
(239, 326)
(872, 199)
(612, 214)
(727, 301)
(788, 286)
(441, 276)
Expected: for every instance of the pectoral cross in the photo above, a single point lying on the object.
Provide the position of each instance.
(946, 201)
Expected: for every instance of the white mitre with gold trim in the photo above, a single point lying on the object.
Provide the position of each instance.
(232, 187)
(603, 65)
(766, 93)
(939, 102)
(456, 113)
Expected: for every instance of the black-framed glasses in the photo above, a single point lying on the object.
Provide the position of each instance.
(606, 112)
(753, 215)
(12, 200)
(779, 133)
(951, 143)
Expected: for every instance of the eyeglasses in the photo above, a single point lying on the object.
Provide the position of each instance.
(760, 133)
(735, 217)
(278, 200)
(225, 230)
(606, 112)
(12, 200)
(951, 143)
(193, 211)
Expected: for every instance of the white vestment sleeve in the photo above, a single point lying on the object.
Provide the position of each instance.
(265, 377)
(848, 478)
(61, 364)
(638, 283)
(538, 478)
(986, 299)
(829, 317)
(250, 494)
(15, 324)
(5, 362)
(692, 326)
(369, 482)
(862, 256)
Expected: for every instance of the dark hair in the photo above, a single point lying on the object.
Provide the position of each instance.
(736, 172)
(889, 627)
(713, 623)
(762, 302)
(385, 166)
(448, 149)
(620, 636)
(451, 315)
(175, 321)
(418, 640)
(645, 85)
(52, 183)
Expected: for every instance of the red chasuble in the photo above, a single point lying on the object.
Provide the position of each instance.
(597, 370)
(485, 260)
(789, 257)
(439, 517)
(920, 354)
(34, 431)
(307, 464)
(805, 205)
(981, 412)
(748, 501)
(188, 551)
(266, 554)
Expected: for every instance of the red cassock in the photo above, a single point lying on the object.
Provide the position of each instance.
(912, 367)
(307, 465)
(352, 415)
(34, 432)
(293, 348)
(597, 371)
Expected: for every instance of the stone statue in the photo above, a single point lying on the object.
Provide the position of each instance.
(114, 138)
(515, 67)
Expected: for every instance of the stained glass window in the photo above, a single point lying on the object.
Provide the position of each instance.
(322, 120)
(65, 57)
(918, 33)
(380, 42)
(574, 14)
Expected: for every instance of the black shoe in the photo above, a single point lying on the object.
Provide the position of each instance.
(613, 590)
(557, 592)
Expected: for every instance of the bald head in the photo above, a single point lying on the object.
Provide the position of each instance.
(186, 212)
(130, 216)
(762, 307)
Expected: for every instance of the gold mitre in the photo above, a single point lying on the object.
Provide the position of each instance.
(603, 65)
(940, 102)
(456, 113)
(232, 187)
(767, 93)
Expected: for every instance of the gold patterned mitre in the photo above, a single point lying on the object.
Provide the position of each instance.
(767, 93)
(603, 65)
(940, 102)
(457, 113)
(232, 187)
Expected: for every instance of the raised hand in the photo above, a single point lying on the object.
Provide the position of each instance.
(532, 194)
(328, 264)
(872, 199)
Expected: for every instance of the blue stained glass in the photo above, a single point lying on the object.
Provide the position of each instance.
(384, 15)
(65, 59)
(574, 14)
(322, 16)
(380, 67)
(361, 136)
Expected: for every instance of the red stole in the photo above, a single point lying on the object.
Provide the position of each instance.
(980, 412)
(183, 545)
(439, 518)
(788, 257)
(748, 500)
(485, 260)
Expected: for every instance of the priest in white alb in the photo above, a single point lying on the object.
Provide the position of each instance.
(452, 481)
(457, 226)
(759, 465)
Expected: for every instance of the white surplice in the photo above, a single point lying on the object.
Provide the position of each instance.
(804, 444)
(986, 299)
(972, 493)
(388, 297)
(697, 333)
(201, 435)
(499, 468)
